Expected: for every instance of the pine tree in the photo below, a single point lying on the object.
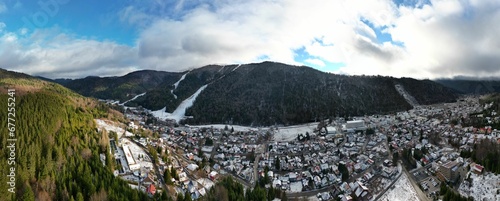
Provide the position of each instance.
(79, 197)
(167, 176)
(344, 171)
(187, 197)
(28, 194)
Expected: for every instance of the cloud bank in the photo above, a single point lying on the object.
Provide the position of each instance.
(431, 39)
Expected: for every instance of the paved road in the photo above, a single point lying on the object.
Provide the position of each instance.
(367, 139)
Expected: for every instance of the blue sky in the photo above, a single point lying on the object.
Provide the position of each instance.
(87, 19)
(412, 38)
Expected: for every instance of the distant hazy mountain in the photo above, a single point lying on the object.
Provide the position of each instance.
(469, 86)
(264, 93)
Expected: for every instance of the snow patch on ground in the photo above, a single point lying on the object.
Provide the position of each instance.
(135, 97)
(222, 126)
(379, 185)
(161, 114)
(281, 134)
(290, 133)
(402, 190)
(484, 187)
(112, 126)
(296, 187)
(408, 97)
(179, 81)
(313, 198)
(221, 68)
(177, 84)
(180, 112)
(138, 154)
(236, 67)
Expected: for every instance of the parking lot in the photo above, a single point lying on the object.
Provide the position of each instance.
(430, 184)
(421, 174)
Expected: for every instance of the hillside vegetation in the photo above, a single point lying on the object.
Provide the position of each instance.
(58, 146)
(472, 86)
(122, 88)
(273, 93)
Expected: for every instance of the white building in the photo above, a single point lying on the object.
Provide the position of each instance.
(130, 160)
(331, 130)
(356, 124)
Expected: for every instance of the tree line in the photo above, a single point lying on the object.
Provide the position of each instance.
(58, 149)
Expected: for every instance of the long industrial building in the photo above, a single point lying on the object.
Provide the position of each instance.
(356, 125)
(130, 160)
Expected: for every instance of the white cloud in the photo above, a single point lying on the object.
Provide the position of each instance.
(23, 31)
(133, 16)
(442, 39)
(245, 31)
(57, 56)
(316, 62)
(446, 39)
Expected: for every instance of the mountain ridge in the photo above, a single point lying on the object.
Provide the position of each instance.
(471, 86)
(265, 93)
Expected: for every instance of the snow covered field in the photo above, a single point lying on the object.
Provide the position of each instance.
(180, 112)
(312, 198)
(137, 151)
(289, 133)
(379, 185)
(484, 187)
(296, 187)
(112, 126)
(402, 191)
(222, 126)
(282, 134)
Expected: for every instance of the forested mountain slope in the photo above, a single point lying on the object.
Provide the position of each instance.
(269, 93)
(472, 86)
(121, 88)
(273, 93)
(57, 146)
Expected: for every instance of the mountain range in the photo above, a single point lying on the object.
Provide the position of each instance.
(471, 86)
(264, 93)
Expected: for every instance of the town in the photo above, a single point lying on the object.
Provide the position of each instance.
(346, 158)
